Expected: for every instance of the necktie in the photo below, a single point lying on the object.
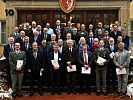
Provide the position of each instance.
(45, 36)
(85, 58)
(70, 50)
(91, 41)
(35, 55)
(26, 47)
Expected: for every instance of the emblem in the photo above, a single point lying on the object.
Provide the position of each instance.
(67, 5)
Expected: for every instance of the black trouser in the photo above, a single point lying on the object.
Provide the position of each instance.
(71, 76)
(55, 78)
(35, 76)
(46, 76)
(9, 82)
(111, 73)
(85, 78)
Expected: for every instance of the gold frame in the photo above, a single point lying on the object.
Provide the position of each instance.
(67, 11)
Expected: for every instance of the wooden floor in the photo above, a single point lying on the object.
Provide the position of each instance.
(72, 97)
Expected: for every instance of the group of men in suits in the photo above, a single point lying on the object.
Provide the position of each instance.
(38, 48)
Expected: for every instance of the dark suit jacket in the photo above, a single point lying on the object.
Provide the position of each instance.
(89, 43)
(81, 59)
(112, 34)
(61, 29)
(51, 57)
(35, 65)
(41, 34)
(19, 40)
(48, 37)
(72, 57)
(61, 37)
(29, 33)
(115, 48)
(7, 50)
(39, 40)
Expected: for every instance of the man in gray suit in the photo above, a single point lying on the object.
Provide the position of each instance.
(101, 68)
(15, 35)
(122, 60)
(17, 71)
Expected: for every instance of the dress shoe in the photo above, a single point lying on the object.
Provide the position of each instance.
(88, 92)
(14, 95)
(105, 93)
(81, 92)
(53, 92)
(19, 95)
(31, 93)
(59, 92)
(68, 92)
(41, 93)
(74, 92)
(97, 93)
(123, 95)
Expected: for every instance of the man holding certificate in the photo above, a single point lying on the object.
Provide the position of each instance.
(55, 62)
(85, 61)
(70, 59)
(17, 60)
(101, 58)
(122, 60)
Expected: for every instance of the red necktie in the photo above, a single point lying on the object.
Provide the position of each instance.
(85, 58)
(91, 41)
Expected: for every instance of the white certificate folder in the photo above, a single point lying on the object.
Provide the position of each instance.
(73, 68)
(85, 71)
(19, 63)
(118, 71)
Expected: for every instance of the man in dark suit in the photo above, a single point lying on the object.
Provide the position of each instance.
(83, 32)
(36, 38)
(45, 49)
(27, 47)
(55, 69)
(21, 38)
(99, 34)
(58, 34)
(100, 25)
(111, 71)
(90, 40)
(7, 49)
(58, 26)
(28, 31)
(16, 34)
(70, 58)
(91, 29)
(17, 70)
(60, 46)
(85, 60)
(53, 41)
(114, 34)
(39, 30)
(45, 35)
(101, 67)
(126, 39)
(75, 35)
(35, 68)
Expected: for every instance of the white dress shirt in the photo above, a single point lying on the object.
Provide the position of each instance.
(86, 56)
(56, 56)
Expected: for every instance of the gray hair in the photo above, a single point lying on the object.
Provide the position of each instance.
(10, 38)
(69, 41)
(121, 43)
(26, 37)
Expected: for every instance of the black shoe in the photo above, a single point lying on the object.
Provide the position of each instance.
(118, 93)
(105, 93)
(59, 92)
(31, 93)
(88, 92)
(19, 95)
(52, 93)
(123, 95)
(81, 92)
(97, 93)
(68, 92)
(74, 92)
(41, 93)
(14, 95)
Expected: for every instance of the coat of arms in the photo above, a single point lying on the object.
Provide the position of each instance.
(67, 5)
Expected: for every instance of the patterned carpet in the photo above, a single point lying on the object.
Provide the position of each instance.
(72, 97)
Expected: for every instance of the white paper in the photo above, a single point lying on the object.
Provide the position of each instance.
(19, 63)
(86, 71)
(112, 55)
(100, 60)
(73, 68)
(40, 73)
(118, 71)
(55, 63)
